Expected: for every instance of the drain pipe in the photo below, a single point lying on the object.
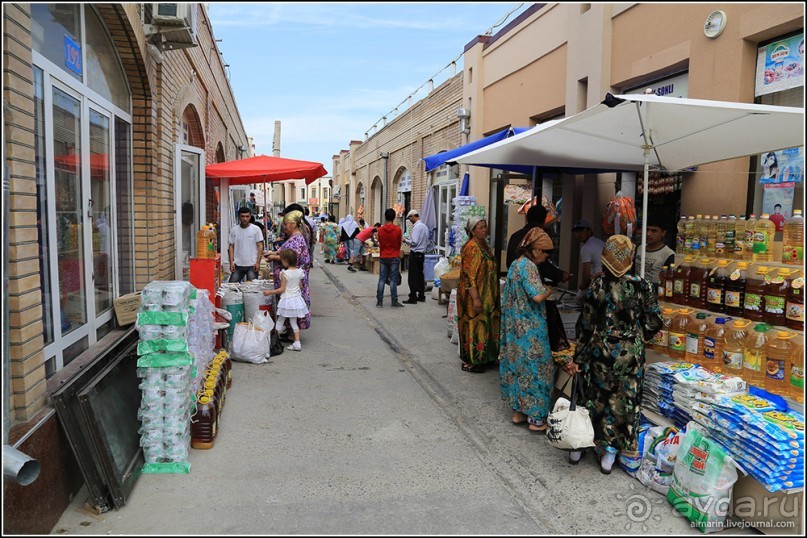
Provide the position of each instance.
(20, 467)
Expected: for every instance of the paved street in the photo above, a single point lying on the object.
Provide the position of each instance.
(374, 429)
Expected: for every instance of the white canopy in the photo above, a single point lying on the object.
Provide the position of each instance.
(635, 132)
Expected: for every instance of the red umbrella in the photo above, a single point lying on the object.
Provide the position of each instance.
(265, 169)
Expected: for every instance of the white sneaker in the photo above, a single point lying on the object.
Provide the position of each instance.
(295, 347)
(607, 462)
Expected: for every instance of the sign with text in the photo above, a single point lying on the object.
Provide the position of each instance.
(780, 65)
(72, 55)
(676, 86)
(786, 166)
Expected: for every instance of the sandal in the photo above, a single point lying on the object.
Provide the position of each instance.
(478, 369)
(520, 422)
(535, 428)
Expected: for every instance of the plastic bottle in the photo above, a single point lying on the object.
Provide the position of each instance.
(776, 298)
(680, 238)
(731, 234)
(733, 347)
(764, 231)
(735, 290)
(661, 290)
(681, 279)
(669, 283)
(698, 280)
(204, 424)
(794, 304)
(695, 333)
(697, 233)
(677, 337)
(778, 354)
(795, 382)
(722, 229)
(661, 340)
(211, 385)
(206, 242)
(754, 303)
(707, 237)
(739, 238)
(690, 236)
(750, 224)
(713, 346)
(793, 239)
(754, 355)
(228, 364)
(716, 288)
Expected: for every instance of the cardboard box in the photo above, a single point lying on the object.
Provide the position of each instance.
(769, 513)
(126, 307)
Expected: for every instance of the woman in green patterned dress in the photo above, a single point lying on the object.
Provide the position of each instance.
(478, 301)
(620, 314)
(331, 241)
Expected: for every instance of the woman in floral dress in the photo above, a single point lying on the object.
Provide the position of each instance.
(525, 359)
(331, 239)
(293, 227)
(620, 314)
(478, 301)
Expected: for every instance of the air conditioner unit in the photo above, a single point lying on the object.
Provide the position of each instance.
(176, 24)
(172, 14)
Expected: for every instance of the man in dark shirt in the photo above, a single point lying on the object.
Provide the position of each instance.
(536, 215)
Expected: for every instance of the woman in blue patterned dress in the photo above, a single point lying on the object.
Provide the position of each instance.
(525, 360)
(293, 228)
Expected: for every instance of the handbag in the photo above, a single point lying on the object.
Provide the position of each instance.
(569, 426)
(554, 325)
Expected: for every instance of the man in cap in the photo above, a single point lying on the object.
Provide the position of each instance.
(417, 256)
(590, 252)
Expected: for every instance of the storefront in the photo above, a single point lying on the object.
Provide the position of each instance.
(445, 187)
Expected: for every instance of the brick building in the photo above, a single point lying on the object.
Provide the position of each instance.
(107, 129)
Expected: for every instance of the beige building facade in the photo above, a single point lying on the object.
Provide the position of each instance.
(107, 130)
(558, 59)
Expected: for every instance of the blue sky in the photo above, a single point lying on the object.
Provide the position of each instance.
(330, 71)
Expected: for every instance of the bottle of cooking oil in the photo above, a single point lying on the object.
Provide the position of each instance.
(698, 283)
(681, 279)
(708, 237)
(776, 292)
(680, 237)
(778, 354)
(669, 283)
(720, 240)
(739, 238)
(750, 224)
(677, 337)
(754, 355)
(695, 333)
(754, 304)
(796, 377)
(717, 287)
(690, 236)
(793, 239)
(697, 234)
(713, 346)
(661, 340)
(731, 234)
(794, 305)
(733, 347)
(206, 242)
(764, 231)
(203, 424)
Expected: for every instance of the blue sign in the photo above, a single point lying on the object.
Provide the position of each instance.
(72, 55)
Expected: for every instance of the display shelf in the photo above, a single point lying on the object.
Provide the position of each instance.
(751, 263)
(666, 304)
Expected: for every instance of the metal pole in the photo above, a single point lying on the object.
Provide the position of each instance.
(534, 177)
(645, 208)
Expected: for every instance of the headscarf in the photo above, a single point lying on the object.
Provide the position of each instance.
(617, 256)
(536, 237)
(349, 226)
(293, 216)
(471, 224)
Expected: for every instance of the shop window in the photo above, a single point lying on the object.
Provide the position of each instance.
(124, 201)
(42, 220)
(104, 72)
(56, 35)
(71, 352)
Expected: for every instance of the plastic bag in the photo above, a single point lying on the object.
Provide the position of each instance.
(441, 267)
(702, 481)
(250, 344)
(619, 216)
(263, 320)
(570, 426)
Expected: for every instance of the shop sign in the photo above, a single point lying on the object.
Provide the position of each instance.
(313, 201)
(72, 55)
(676, 86)
(785, 166)
(778, 199)
(517, 194)
(780, 66)
(405, 183)
(442, 173)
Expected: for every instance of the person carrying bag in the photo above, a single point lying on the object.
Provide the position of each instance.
(570, 427)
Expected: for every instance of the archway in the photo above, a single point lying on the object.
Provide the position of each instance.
(192, 133)
(377, 215)
(359, 205)
(220, 153)
(402, 187)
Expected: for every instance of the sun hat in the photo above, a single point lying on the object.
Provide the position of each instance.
(617, 255)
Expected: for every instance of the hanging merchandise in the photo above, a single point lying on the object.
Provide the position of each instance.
(551, 211)
(620, 215)
(657, 184)
(464, 208)
(400, 209)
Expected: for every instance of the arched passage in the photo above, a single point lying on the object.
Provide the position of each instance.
(402, 187)
(359, 201)
(377, 214)
(192, 133)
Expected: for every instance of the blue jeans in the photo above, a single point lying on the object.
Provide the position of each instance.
(390, 269)
(242, 271)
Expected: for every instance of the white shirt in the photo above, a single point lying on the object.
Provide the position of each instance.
(420, 237)
(245, 244)
(293, 279)
(654, 262)
(591, 252)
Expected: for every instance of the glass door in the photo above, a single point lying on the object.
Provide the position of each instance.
(100, 202)
(189, 166)
(444, 196)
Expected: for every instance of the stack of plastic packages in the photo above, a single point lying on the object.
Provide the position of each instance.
(464, 208)
(201, 334)
(701, 385)
(453, 331)
(766, 442)
(659, 383)
(167, 370)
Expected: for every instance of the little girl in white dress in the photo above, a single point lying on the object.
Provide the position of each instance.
(291, 305)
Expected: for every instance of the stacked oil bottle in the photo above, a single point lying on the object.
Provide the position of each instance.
(210, 400)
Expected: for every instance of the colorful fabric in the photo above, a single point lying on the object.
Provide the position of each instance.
(331, 241)
(617, 255)
(535, 238)
(526, 369)
(298, 244)
(479, 334)
(619, 316)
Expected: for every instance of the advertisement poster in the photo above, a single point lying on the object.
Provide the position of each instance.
(780, 65)
(517, 194)
(786, 166)
(777, 201)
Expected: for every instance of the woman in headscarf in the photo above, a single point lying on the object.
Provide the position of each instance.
(349, 231)
(293, 226)
(331, 240)
(620, 314)
(478, 300)
(525, 359)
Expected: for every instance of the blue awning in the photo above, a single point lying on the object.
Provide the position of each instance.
(438, 159)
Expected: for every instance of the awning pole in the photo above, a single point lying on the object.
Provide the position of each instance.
(534, 176)
(645, 208)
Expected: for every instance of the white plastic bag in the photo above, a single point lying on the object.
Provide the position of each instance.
(263, 320)
(441, 267)
(569, 426)
(250, 344)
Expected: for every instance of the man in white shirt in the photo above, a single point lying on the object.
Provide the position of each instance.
(419, 242)
(658, 253)
(246, 248)
(590, 252)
